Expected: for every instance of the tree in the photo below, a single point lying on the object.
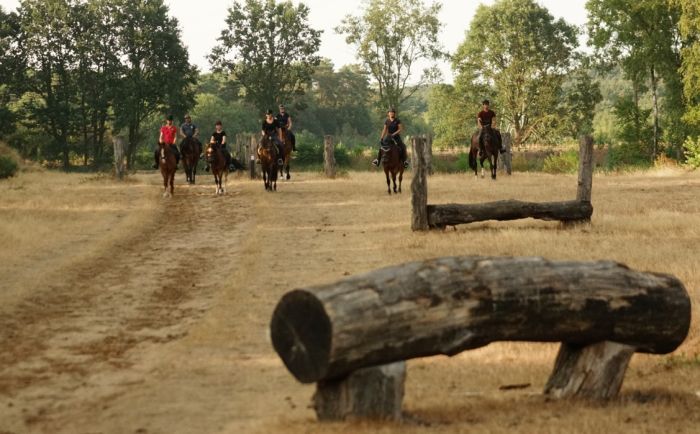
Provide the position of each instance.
(48, 47)
(269, 49)
(690, 28)
(390, 38)
(11, 66)
(581, 94)
(643, 36)
(155, 73)
(516, 49)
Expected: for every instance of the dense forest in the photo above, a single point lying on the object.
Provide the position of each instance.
(75, 73)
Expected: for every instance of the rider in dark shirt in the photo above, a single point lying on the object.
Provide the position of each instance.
(392, 131)
(270, 127)
(285, 121)
(218, 137)
(487, 118)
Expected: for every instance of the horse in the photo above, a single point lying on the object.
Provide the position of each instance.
(268, 162)
(191, 149)
(168, 166)
(217, 163)
(287, 150)
(391, 162)
(489, 150)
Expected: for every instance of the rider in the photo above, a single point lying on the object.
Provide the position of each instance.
(392, 131)
(168, 134)
(285, 121)
(188, 129)
(487, 118)
(218, 137)
(270, 127)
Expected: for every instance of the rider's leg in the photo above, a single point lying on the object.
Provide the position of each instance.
(293, 139)
(280, 151)
(156, 158)
(403, 154)
(379, 157)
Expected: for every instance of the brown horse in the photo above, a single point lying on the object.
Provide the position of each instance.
(489, 150)
(287, 150)
(191, 149)
(168, 166)
(391, 162)
(219, 168)
(268, 161)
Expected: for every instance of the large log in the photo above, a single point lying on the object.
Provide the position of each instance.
(440, 216)
(448, 305)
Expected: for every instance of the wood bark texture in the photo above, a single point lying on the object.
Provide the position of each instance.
(585, 170)
(448, 305)
(369, 393)
(329, 156)
(591, 372)
(419, 187)
(454, 214)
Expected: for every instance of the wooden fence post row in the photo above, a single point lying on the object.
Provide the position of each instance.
(344, 336)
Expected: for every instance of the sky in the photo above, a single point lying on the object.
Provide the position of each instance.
(201, 23)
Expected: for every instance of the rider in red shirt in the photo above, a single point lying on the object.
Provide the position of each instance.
(486, 118)
(168, 134)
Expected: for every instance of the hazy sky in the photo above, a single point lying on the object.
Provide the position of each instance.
(203, 20)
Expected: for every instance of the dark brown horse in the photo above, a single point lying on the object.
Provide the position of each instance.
(287, 150)
(268, 161)
(489, 150)
(219, 168)
(391, 162)
(190, 149)
(168, 166)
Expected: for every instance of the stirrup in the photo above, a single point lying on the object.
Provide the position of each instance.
(375, 162)
(280, 161)
(405, 164)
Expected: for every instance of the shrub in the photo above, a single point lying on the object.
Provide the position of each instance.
(624, 155)
(691, 148)
(8, 167)
(566, 162)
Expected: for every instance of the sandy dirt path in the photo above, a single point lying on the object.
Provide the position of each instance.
(167, 332)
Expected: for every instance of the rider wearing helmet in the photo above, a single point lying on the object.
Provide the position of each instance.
(392, 133)
(285, 121)
(270, 127)
(487, 118)
(168, 135)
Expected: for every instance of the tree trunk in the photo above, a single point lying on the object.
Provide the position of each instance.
(655, 99)
(506, 159)
(448, 305)
(440, 216)
(329, 157)
(585, 170)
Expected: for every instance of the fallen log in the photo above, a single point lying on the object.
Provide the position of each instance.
(440, 216)
(448, 305)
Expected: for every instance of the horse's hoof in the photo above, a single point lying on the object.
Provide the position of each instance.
(288, 177)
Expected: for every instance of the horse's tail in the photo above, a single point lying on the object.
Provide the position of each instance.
(472, 160)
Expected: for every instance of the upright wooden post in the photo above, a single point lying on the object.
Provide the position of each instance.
(119, 160)
(507, 157)
(419, 187)
(251, 152)
(328, 156)
(585, 169)
(429, 154)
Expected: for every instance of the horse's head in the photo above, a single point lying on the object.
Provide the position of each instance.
(212, 149)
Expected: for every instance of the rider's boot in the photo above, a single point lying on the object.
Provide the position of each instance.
(280, 162)
(377, 160)
(156, 159)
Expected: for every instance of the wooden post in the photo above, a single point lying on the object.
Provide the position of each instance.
(585, 170)
(252, 151)
(449, 305)
(592, 371)
(419, 187)
(370, 393)
(429, 154)
(119, 157)
(507, 157)
(329, 156)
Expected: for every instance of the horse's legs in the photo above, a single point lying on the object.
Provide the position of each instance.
(388, 182)
(393, 178)
(400, 180)
(494, 166)
(483, 171)
(225, 181)
(287, 168)
(172, 183)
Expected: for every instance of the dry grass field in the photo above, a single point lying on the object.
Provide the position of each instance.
(121, 312)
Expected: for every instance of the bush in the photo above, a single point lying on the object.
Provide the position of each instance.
(691, 148)
(566, 162)
(626, 156)
(8, 167)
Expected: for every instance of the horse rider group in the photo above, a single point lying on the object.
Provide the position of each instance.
(273, 124)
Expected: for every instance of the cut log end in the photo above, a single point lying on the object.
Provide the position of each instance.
(301, 335)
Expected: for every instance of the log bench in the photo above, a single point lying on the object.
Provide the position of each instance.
(353, 336)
